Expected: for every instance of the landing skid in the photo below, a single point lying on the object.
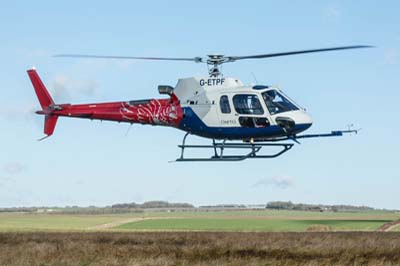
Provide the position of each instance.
(220, 147)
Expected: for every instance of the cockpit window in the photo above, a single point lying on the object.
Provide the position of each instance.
(247, 104)
(277, 103)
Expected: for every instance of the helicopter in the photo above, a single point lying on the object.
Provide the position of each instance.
(234, 116)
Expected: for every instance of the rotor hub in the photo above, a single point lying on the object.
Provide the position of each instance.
(215, 60)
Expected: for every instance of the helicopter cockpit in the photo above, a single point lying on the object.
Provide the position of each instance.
(277, 103)
(250, 109)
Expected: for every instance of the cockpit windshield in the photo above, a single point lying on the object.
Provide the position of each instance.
(277, 103)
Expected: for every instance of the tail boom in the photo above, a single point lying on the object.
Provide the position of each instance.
(166, 112)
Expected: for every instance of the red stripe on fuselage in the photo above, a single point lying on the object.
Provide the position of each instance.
(166, 112)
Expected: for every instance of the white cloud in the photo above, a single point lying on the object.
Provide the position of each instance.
(282, 182)
(391, 56)
(63, 87)
(14, 167)
(4, 181)
(333, 12)
(20, 112)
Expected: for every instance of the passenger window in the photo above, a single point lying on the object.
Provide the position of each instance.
(246, 121)
(262, 122)
(247, 104)
(224, 104)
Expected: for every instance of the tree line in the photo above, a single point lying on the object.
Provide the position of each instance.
(288, 205)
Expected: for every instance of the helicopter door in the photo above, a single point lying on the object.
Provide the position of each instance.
(250, 111)
(226, 116)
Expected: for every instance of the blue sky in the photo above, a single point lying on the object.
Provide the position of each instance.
(94, 163)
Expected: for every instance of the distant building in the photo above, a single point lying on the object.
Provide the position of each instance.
(256, 206)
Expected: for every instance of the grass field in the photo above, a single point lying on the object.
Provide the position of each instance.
(271, 225)
(43, 222)
(200, 248)
(263, 220)
(200, 238)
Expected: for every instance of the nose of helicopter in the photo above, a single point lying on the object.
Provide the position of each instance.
(307, 119)
(302, 120)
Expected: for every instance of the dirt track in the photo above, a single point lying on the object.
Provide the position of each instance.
(389, 226)
(115, 224)
(121, 222)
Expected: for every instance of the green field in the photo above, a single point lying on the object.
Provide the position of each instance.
(271, 225)
(252, 220)
(40, 222)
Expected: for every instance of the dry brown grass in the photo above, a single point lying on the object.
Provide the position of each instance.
(319, 228)
(196, 248)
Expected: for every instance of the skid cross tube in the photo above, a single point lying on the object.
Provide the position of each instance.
(222, 146)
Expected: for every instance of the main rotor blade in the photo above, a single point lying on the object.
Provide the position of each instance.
(194, 59)
(234, 58)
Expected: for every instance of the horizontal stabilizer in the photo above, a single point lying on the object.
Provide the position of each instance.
(50, 122)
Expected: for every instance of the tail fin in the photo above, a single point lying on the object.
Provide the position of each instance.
(45, 101)
(41, 91)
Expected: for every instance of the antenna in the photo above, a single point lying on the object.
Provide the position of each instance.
(254, 77)
(129, 129)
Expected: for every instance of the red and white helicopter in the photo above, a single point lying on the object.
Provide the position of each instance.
(216, 107)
